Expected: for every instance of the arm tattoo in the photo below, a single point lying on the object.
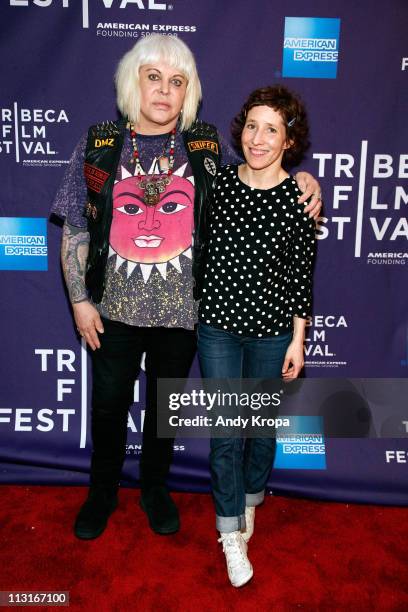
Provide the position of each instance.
(74, 255)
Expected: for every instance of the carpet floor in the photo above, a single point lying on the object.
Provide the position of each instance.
(307, 555)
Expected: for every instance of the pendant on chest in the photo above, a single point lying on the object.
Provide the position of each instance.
(153, 188)
(164, 164)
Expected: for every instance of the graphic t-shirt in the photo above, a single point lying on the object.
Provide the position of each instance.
(260, 254)
(148, 278)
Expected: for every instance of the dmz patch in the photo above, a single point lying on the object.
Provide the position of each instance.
(23, 243)
(311, 47)
(303, 448)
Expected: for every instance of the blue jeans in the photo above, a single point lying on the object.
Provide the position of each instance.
(239, 471)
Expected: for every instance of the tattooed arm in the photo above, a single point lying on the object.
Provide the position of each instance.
(74, 254)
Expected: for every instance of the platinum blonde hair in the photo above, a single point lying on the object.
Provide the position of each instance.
(150, 50)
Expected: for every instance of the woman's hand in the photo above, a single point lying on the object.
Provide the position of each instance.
(88, 323)
(294, 361)
(310, 187)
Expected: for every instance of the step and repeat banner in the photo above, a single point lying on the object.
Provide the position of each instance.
(349, 63)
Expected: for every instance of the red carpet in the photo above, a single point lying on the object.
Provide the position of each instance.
(307, 555)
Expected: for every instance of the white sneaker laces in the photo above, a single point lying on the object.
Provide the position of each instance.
(234, 548)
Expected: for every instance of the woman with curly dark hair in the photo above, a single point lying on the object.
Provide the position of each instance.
(256, 295)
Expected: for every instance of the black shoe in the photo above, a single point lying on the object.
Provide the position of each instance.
(160, 509)
(95, 512)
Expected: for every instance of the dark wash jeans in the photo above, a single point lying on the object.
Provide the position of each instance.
(239, 470)
(116, 365)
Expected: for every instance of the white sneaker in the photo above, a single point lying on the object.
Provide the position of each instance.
(249, 522)
(235, 549)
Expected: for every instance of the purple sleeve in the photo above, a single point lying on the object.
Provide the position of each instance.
(70, 199)
(228, 155)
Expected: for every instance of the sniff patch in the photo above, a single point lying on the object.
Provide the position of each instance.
(199, 145)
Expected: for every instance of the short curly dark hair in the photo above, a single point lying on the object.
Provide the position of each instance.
(293, 113)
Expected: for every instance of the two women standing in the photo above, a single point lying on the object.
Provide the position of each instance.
(132, 197)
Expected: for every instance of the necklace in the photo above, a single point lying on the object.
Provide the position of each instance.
(154, 185)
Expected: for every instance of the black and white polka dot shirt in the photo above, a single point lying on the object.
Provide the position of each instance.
(260, 256)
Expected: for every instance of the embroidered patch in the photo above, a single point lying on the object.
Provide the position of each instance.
(104, 142)
(209, 165)
(199, 145)
(95, 178)
(91, 211)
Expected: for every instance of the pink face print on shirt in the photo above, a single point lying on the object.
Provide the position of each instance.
(152, 234)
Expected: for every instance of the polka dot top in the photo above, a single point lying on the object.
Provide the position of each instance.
(260, 254)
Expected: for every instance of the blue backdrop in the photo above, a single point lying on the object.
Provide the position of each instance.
(349, 63)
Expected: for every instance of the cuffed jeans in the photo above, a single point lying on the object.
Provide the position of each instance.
(239, 469)
(115, 366)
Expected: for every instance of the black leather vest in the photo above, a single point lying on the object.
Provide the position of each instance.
(102, 156)
(204, 154)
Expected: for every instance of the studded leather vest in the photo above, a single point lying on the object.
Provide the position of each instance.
(102, 156)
